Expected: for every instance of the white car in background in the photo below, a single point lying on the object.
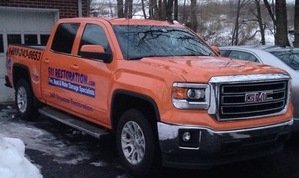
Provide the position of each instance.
(284, 58)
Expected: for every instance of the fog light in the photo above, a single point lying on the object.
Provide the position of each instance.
(189, 138)
(186, 136)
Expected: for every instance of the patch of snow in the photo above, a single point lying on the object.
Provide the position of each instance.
(45, 142)
(99, 164)
(13, 164)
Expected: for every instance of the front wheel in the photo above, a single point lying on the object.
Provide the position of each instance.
(135, 142)
(25, 100)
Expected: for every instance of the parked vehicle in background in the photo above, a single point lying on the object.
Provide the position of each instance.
(284, 58)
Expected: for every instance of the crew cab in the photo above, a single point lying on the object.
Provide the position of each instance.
(165, 93)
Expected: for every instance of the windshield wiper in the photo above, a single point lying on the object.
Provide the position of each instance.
(141, 57)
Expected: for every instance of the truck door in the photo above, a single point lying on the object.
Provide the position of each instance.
(59, 74)
(94, 90)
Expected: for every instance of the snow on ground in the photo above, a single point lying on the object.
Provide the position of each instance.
(63, 145)
(13, 164)
(42, 140)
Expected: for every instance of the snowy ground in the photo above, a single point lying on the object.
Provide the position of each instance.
(63, 145)
(12, 161)
(59, 151)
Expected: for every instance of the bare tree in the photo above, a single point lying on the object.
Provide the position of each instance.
(260, 21)
(151, 9)
(296, 24)
(128, 9)
(279, 18)
(281, 34)
(120, 8)
(176, 10)
(235, 36)
(193, 15)
(271, 12)
(169, 9)
(143, 9)
(184, 11)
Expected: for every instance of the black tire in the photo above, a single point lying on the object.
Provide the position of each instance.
(25, 100)
(146, 164)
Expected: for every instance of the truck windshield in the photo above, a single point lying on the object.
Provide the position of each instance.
(291, 58)
(137, 42)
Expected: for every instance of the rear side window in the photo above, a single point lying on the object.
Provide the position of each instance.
(243, 56)
(65, 37)
(224, 53)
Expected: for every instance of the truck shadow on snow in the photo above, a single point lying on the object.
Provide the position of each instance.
(61, 151)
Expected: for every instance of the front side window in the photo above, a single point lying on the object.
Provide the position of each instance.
(94, 35)
(291, 58)
(65, 37)
(138, 41)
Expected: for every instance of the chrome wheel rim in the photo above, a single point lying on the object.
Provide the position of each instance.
(133, 142)
(22, 99)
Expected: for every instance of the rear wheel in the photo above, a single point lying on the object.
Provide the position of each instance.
(135, 142)
(25, 100)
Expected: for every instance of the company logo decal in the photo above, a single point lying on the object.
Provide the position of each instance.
(73, 81)
(258, 97)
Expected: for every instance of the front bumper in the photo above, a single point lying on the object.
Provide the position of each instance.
(296, 124)
(218, 147)
(296, 118)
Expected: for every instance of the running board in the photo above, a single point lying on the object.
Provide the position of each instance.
(73, 121)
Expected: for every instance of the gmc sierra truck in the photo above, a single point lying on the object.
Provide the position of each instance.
(164, 93)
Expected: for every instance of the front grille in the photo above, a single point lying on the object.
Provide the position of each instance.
(247, 100)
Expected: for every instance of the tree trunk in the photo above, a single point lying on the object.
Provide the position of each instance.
(143, 9)
(159, 8)
(176, 10)
(120, 8)
(271, 13)
(184, 12)
(169, 8)
(128, 8)
(151, 9)
(296, 24)
(193, 14)
(235, 36)
(281, 35)
(260, 21)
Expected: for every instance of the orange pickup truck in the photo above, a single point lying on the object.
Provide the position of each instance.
(163, 91)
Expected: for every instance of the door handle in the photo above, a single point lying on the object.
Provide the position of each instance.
(47, 60)
(74, 67)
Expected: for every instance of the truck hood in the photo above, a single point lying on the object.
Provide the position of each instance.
(203, 68)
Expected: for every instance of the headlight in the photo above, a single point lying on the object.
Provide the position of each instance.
(190, 96)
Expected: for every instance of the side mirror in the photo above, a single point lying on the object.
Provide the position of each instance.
(216, 49)
(95, 52)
